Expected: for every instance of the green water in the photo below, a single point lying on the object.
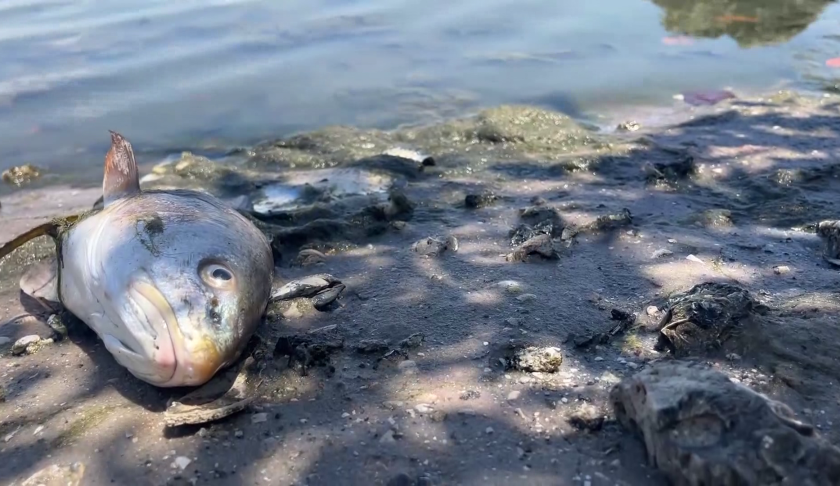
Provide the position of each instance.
(212, 73)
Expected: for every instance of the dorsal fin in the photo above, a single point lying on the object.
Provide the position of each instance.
(121, 178)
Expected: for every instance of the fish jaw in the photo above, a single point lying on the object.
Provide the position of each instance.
(188, 362)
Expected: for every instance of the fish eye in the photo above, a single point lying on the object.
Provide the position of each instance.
(221, 274)
(216, 275)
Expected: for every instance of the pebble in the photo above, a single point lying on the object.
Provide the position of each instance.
(423, 408)
(258, 418)
(632, 365)
(662, 252)
(181, 462)
(652, 310)
(514, 395)
(488, 430)
(21, 344)
(526, 298)
(598, 358)
(401, 479)
(671, 240)
(781, 269)
(345, 415)
(511, 286)
(693, 259)
(239, 434)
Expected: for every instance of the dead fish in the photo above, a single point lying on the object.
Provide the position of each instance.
(174, 282)
(306, 287)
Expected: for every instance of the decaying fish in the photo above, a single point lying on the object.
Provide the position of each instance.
(173, 282)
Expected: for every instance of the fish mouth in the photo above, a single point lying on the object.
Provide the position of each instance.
(191, 361)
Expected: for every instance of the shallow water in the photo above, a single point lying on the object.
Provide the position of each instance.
(214, 73)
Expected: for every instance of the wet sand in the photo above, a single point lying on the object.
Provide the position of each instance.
(730, 196)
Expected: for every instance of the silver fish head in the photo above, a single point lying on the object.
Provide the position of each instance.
(174, 282)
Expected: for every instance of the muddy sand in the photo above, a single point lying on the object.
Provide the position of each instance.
(490, 243)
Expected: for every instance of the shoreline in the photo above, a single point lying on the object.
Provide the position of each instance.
(628, 224)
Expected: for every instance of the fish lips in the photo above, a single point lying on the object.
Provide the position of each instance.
(186, 361)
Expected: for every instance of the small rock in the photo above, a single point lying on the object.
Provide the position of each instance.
(370, 346)
(514, 395)
(628, 126)
(413, 341)
(259, 418)
(239, 434)
(470, 395)
(542, 359)
(21, 345)
(781, 269)
(181, 462)
(434, 246)
(693, 259)
(526, 298)
(511, 286)
(423, 408)
(652, 310)
(309, 257)
(488, 430)
(401, 479)
(671, 241)
(662, 252)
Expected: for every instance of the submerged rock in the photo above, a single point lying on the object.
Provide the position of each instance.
(21, 175)
(715, 218)
(699, 427)
(476, 201)
(704, 317)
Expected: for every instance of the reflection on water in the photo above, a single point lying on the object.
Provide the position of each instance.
(749, 22)
(209, 74)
